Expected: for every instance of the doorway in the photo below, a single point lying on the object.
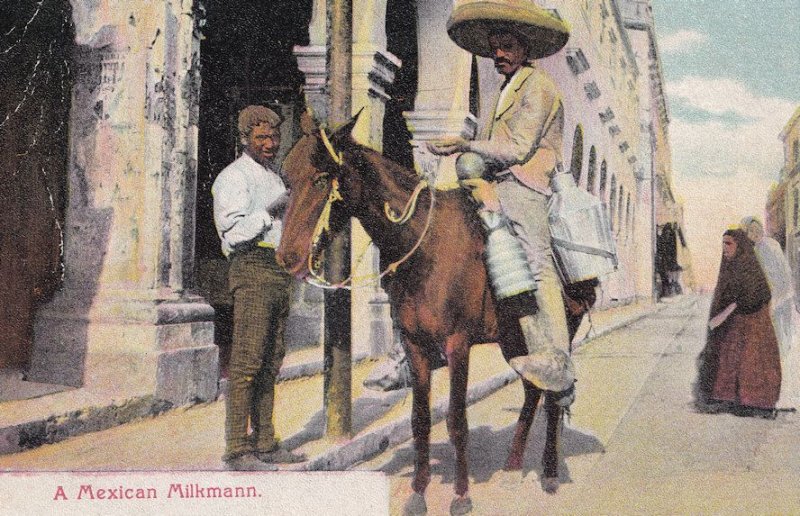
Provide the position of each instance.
(246, 58)
(37, 40)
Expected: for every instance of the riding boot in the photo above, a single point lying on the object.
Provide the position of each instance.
(546, 367)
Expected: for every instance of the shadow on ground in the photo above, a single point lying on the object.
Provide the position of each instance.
(366, 410)
(488, 449)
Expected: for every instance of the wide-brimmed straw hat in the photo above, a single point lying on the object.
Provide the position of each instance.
(472, 21)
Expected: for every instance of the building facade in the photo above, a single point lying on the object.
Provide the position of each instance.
(152, 97)
(787, 196)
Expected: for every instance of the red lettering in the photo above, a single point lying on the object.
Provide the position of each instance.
(87, 490)
(60, 494)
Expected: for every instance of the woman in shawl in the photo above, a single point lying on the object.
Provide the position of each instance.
(740, 368)
(779, 277)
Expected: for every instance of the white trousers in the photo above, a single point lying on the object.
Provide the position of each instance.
(527, 211)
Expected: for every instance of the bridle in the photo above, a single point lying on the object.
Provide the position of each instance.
(323, 225)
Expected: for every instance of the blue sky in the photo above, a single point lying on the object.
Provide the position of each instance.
(755, 41)
(732, 80)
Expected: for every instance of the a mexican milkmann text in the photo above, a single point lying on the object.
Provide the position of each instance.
(195, 490)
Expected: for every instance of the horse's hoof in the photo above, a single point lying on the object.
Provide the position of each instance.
(415, 505)
(461, 505)
(550, 485)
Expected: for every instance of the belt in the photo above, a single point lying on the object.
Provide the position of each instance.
(249, 247)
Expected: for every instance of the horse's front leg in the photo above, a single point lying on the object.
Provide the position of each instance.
(420, 426)
(457, 351)
(517, 452)
(550, 480)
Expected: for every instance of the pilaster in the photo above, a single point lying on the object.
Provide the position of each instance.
(127, 318)
(374, 69)
(311, 61)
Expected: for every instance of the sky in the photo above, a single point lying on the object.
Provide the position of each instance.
(732, 81)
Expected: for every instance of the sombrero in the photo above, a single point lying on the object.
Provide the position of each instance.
(472, 21)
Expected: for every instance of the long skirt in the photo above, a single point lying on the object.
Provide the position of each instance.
(749, 366)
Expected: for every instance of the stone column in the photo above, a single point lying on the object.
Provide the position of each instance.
(311, 61)
(442, 104)
(126, 320)
(374, 70)
(306, 320)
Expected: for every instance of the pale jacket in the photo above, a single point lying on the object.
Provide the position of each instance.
(242, 192)
(524, 134)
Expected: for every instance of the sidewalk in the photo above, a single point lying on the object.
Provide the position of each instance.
(191, 438)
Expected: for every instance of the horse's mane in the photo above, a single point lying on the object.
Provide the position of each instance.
(405, 177)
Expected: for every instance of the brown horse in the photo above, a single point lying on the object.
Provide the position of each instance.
(440, 293)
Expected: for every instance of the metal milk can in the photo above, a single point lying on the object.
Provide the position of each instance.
(580, 231)
(506, 262)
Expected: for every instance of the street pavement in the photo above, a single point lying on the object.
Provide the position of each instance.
(633, 445)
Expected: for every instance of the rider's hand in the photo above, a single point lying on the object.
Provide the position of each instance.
(483, 192)
(449, 145)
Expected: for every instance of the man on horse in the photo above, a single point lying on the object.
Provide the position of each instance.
(521, 148)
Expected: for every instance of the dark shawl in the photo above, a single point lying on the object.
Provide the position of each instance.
(740, 281)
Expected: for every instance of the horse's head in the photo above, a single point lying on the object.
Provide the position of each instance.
(313, 169)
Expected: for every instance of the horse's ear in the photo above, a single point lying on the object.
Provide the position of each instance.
(307, 122)
(343, 132)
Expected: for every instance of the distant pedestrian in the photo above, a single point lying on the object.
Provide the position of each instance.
(248, 200)
(779, 276)
(740, 366)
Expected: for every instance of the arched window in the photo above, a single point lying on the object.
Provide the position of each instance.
(603, 177)
(613, 203)
(577, 154)
(621, 197)
(590, 186)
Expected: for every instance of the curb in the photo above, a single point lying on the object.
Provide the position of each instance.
(617, 325)
(56, 428)
(374, 442)
(307, 369)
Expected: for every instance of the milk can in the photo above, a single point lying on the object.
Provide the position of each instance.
(581, 232)
(506, 262)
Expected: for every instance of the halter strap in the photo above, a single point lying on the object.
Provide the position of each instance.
(323, 224)
(338, 157)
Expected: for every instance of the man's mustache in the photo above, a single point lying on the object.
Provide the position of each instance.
(501, 60)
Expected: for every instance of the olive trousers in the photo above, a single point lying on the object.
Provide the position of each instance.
(261, 292)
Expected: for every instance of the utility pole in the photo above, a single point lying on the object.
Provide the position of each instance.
(338, 353)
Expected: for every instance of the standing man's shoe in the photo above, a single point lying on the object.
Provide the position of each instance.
(249, 462)
(281, 456)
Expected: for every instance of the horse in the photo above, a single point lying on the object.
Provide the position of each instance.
(439, 289)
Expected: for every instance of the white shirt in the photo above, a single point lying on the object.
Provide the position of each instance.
(242, 192)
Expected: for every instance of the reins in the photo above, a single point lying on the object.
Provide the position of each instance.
(323, 225)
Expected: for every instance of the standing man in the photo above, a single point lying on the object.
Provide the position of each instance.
(521, 143)
(249, 196)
